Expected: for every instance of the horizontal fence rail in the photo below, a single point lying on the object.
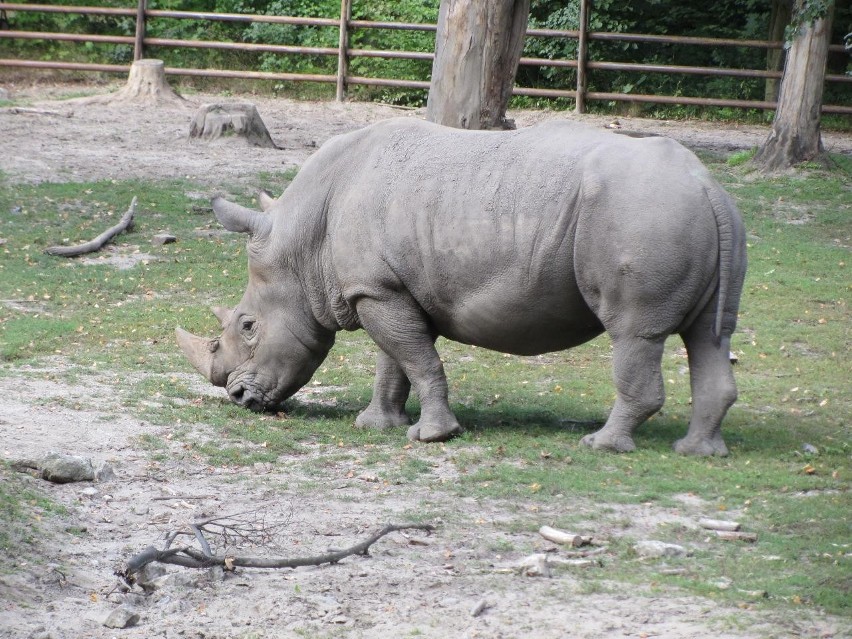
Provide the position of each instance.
(344, 53)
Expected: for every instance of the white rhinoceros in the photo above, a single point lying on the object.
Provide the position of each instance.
(524, 242)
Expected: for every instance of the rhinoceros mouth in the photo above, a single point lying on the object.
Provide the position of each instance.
(246, 393)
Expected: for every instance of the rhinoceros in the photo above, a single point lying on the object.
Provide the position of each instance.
(524, 242)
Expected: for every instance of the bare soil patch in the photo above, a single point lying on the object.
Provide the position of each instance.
(410, 585)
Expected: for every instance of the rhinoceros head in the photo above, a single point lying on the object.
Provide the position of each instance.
(270, 344)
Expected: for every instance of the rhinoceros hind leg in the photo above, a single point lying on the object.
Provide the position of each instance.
(639, 386)
(713, 389)
(390, 392)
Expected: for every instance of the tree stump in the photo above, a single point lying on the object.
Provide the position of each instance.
(146, 84)
(240, 119)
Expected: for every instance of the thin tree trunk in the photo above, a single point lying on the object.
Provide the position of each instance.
(795, 135)
(477, 49)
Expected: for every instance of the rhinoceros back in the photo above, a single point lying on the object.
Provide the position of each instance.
(480, 227)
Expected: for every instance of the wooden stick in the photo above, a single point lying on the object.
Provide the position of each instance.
(730, 535)
(29, 111)
(96, 244)
(718, 524)
(561, 537)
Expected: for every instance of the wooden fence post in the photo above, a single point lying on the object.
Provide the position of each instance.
(343, 45)
(582, 56)
(139, 44)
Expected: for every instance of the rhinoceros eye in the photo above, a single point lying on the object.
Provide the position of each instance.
(247, 325)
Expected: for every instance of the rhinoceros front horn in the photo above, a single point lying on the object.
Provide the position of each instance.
(198, 351)
(241, 219)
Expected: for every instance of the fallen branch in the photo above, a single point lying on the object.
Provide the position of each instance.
(29, 111)
(190, 557)
(91, 246)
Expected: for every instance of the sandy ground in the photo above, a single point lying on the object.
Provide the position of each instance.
(410, 585)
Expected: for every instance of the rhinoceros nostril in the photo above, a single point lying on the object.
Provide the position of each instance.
(244, 397)
(238, 394)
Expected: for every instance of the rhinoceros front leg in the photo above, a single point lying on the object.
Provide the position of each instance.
(401, 330)
(639, 391)
(713, 389)
(390, 392)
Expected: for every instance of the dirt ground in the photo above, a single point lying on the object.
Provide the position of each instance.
(411, 585)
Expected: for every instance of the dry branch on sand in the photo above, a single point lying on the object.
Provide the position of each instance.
(91, 246)
(234, 526)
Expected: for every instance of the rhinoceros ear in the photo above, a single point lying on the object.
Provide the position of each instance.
(222, 314)
(240, 219)
(266, 200)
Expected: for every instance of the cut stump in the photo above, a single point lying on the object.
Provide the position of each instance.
(146, 84)
(238, 119)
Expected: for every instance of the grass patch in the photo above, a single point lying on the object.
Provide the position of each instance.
(524, 416)
(22, 509)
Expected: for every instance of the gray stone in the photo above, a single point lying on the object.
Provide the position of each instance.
(163, 238)
(104, 472)
(652, 548)
(64, 469)
(4, 94)
(89, 491)
(147, 577)
(122, 617)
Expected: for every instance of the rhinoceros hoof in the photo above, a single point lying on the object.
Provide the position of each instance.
(602, 440)
(370, 418)
(431, 432)
(701, 447)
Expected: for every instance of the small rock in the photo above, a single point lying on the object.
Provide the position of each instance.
(163, 238)
(4, 94)
(104, 472)
(479, 608)
(122, 617)
(89, 492)
(810, 449)
(147, 577)
(64, 469)
(342, 620)
(141, 510)
(652, 548)
(722, 584)
(534, 566)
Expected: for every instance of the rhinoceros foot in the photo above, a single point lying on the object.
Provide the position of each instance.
(607, 440)
(424, 431)
(372, 417)
(702, 447)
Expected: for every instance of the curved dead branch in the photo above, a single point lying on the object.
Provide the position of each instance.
(91, 246)
(190, 557)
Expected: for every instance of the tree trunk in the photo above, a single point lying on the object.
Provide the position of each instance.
(778, 21)
(795, 135)
(477, 49)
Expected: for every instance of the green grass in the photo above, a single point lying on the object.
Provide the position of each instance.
(22, 509)
(523, 417)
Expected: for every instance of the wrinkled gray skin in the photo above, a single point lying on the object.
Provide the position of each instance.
(524, 242)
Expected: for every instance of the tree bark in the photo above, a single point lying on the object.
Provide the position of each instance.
(795, 135)
(477, 49)
(778, 21)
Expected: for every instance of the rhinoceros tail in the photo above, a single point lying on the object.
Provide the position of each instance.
(731, 256)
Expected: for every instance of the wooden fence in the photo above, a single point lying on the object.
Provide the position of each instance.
(344, 53)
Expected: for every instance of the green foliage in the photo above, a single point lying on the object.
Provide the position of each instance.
(747, 19)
